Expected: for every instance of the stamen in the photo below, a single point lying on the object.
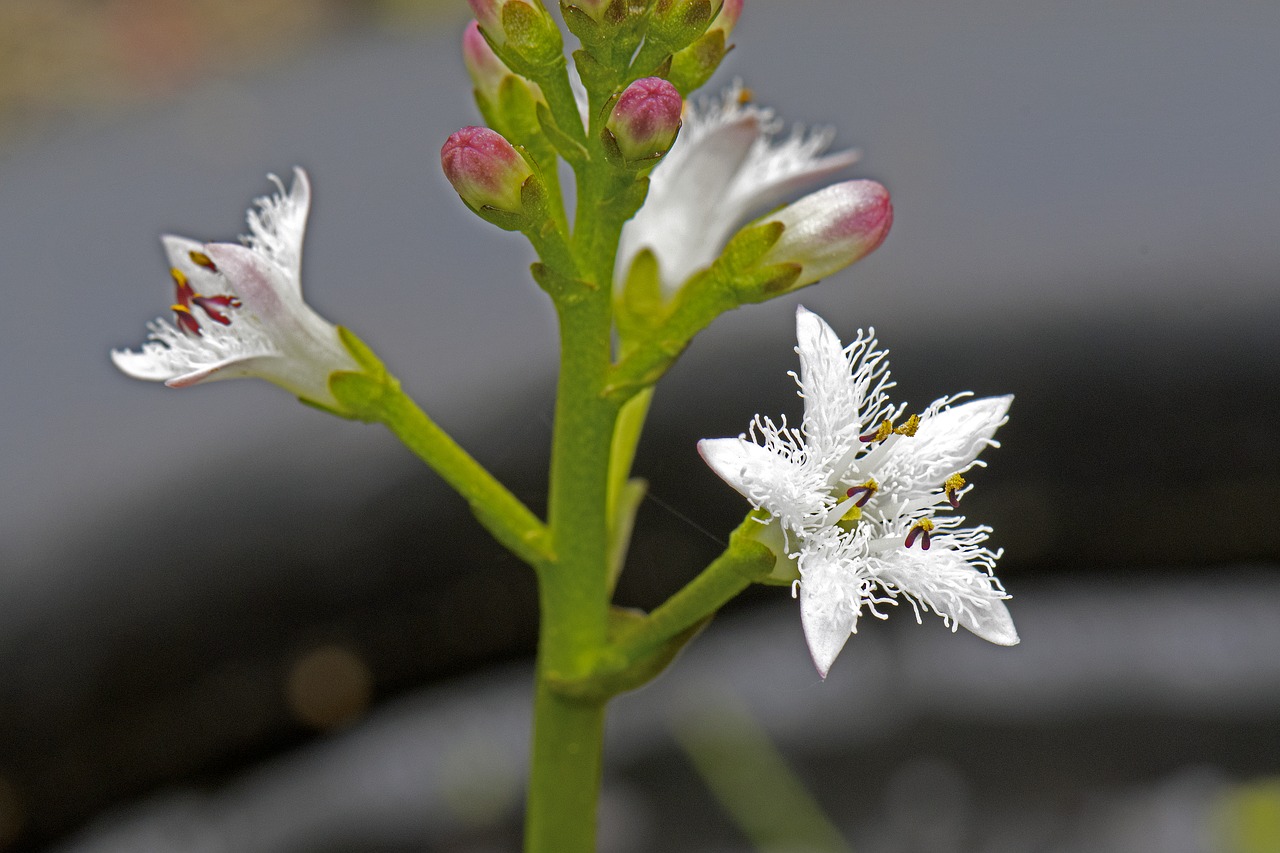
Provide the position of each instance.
(920, 530)
(882, 432)
(952, 486)
(745, 96)
(200, 259)
(909, 428)
(188, 324)
(866, 490)
(182, 288)
(210, 305)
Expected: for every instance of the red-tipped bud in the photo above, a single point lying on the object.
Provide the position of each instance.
(521, 26)
(484, 168)
(646, 118)
(830, 229)
(489, 15)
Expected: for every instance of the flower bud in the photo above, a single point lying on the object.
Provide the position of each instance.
(485, 169)
(522, 27)
(728, 17)
(826, 231)
(486, 69)
(645, 119)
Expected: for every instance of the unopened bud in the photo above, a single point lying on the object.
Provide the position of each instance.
(521, 26)
(485, 169)
(728, 17)
(645, 119)
(486, 69)
(826, 231)
(596, 9)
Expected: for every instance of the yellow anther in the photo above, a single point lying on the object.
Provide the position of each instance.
(925, 525)
(854, 513)
(180, 308)
(909, 428)
(200, 259)
(179, 278)
(745, 95)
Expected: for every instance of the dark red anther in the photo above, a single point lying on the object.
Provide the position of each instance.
(866, 490)
(186, 322)
(211, 304)
(920, 531)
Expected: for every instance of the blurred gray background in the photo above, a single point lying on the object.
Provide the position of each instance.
(233, 624)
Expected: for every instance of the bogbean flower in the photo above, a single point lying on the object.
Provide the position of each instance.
(238, 309)
(859, 495)
(725, 167)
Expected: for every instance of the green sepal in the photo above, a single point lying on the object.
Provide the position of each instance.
(516, 112)
(556, 285)
(363, 396)
(533, 199)
(360, 351)
(641, 306)
(507, 220)
(765, 283)
(623, 522)
(750, 244)
(531, 33)
(573, 151)
(676, 24)
(693, 66)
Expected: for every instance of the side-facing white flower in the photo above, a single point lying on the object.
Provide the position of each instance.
(724, 168)
(855, 495)
(238, 309)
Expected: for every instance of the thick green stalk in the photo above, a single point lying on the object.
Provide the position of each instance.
(564, 781)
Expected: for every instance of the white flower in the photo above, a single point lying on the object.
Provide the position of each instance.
(724, 168)
(855, 493)
(238, 309)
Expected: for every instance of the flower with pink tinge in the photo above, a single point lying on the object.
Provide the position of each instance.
(646, 118)
(830, 229)
(725, 168)
(238, 309)
(486, 69)
(484, 168)
(854, 494)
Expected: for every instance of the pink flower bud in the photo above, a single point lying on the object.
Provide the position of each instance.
(646, 118)
(489, 15)
(486, 69)
(484, 168)
(830, 229)
(728, 17)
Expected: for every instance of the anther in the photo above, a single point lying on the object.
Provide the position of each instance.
(952, 486)
(200, 259)
(865, 491)
(909, 428)
(920, 530)
(882, 432)
(188, 324)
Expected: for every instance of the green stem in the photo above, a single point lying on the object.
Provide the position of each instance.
(502, 513)
(564, 782)
(744, 562)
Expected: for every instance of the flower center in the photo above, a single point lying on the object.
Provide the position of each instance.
(185, 296)
(920, 530)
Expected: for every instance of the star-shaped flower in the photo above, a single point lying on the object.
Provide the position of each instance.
(724, 168)
(238, 309)
(855, 491)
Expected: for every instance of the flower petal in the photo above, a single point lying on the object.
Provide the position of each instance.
(277, 227)
(827, 386)
(941, 580)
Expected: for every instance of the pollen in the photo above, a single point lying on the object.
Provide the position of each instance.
(745, 96)
(920, 530)
(200, 259)
(854, 513)
(909, 428)
(952, 486)
(882, 432)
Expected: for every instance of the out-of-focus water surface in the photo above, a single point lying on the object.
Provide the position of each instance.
(195, 583)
